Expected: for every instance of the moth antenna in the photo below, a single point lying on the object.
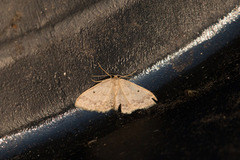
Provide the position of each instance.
(128, 75)
(104, 70)
(99, 75)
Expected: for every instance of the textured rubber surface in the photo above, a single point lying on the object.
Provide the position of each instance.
(49, 51)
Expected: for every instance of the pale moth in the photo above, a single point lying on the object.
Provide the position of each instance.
(113, 93)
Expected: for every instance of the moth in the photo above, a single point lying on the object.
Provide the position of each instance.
(113, 93)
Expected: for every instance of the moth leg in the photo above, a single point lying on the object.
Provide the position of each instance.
(96, 81)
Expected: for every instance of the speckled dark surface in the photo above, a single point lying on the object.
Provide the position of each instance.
(49, 50)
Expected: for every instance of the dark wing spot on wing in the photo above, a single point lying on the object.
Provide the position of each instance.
(138, 91)
(93, 91)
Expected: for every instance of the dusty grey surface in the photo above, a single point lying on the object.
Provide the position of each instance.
(50, 49)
